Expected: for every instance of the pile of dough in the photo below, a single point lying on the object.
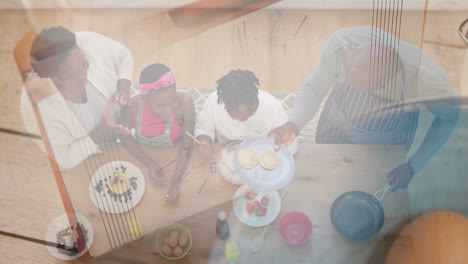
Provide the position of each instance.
(269, 159)
(247, 158)
(118, 183)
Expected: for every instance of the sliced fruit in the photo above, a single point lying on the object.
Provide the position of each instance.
(250, 195)
(249, 208)
(256, 204)
(261, 212)
(264, 201)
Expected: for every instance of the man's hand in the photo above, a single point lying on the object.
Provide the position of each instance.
(121, 96)
(285, 134)
(401, 176)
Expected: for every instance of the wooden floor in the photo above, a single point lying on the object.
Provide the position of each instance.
(282, 47)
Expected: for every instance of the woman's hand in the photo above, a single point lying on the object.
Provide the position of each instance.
(121, 96)
(117, 129)
(401, 176)
(285, 134)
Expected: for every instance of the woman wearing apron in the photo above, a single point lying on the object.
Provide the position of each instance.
(161, 117)
(371, 77)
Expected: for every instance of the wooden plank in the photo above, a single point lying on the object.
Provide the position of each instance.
(452, 61)
(30, 199)
(276, 48)
(442, 27)
(322, 173)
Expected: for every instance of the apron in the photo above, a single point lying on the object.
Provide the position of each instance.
(163, 140)
(352, 117)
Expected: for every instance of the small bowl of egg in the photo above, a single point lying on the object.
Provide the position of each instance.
(174, 241)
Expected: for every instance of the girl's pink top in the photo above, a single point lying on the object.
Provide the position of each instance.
(152, 126)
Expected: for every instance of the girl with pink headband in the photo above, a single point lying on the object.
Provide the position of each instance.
(161, 117)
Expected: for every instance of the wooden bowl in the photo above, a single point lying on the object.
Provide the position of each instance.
(437, 237)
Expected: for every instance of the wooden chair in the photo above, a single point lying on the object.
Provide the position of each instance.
(21, 52)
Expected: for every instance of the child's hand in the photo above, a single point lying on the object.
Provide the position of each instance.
(172, 193)
(205, 150)
(155, 173)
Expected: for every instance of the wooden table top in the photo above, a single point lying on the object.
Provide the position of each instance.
(323, 172)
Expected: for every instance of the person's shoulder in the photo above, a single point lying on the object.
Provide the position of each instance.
(184, 99)
(212, 98)
(269, 101)
(86, 39)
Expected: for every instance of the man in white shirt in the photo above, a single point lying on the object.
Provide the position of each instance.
(77, 78)
(237, 110)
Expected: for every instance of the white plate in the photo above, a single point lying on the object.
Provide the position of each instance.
(259, 178)
(59, 231)
(107, 200)
(227, 156)
(239, 204)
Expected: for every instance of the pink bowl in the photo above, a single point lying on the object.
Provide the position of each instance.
(295, 228)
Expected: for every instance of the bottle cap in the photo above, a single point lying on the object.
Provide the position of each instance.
(222, 215)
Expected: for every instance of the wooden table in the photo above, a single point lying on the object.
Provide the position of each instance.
(323, 172)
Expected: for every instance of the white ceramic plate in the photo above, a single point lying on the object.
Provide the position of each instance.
(107, 200)
(227, 156)
(259, 178)
(60, 232)
(239, 204)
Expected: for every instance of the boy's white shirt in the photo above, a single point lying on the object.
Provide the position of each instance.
(109, 61)
(215, 120)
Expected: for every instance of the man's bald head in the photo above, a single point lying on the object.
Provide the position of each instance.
(370, 66)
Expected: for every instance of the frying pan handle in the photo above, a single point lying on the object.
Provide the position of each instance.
(380, 194)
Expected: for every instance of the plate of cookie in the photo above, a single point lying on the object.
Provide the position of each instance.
(117, 187)
(262, 168)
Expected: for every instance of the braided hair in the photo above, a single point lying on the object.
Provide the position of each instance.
(236, 88)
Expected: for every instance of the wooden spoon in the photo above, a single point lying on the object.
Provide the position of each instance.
(257, 243)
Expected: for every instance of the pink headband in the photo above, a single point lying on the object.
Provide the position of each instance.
(165, 80)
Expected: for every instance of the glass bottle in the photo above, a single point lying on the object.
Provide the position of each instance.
(222, 226)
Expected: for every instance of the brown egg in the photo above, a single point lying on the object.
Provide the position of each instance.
(174, 233)
(183, 240)
(166, 250)
(178, 251)
(165, 241)
(173, 241)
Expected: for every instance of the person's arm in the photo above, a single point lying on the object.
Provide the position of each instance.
(279, 117)
(205, 127)
(68, 139)
(445, 121)
(123, 63)
(432, 83)
(312, 93)
(185, 145)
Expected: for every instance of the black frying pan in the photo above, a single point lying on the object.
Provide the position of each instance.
(357, 215)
